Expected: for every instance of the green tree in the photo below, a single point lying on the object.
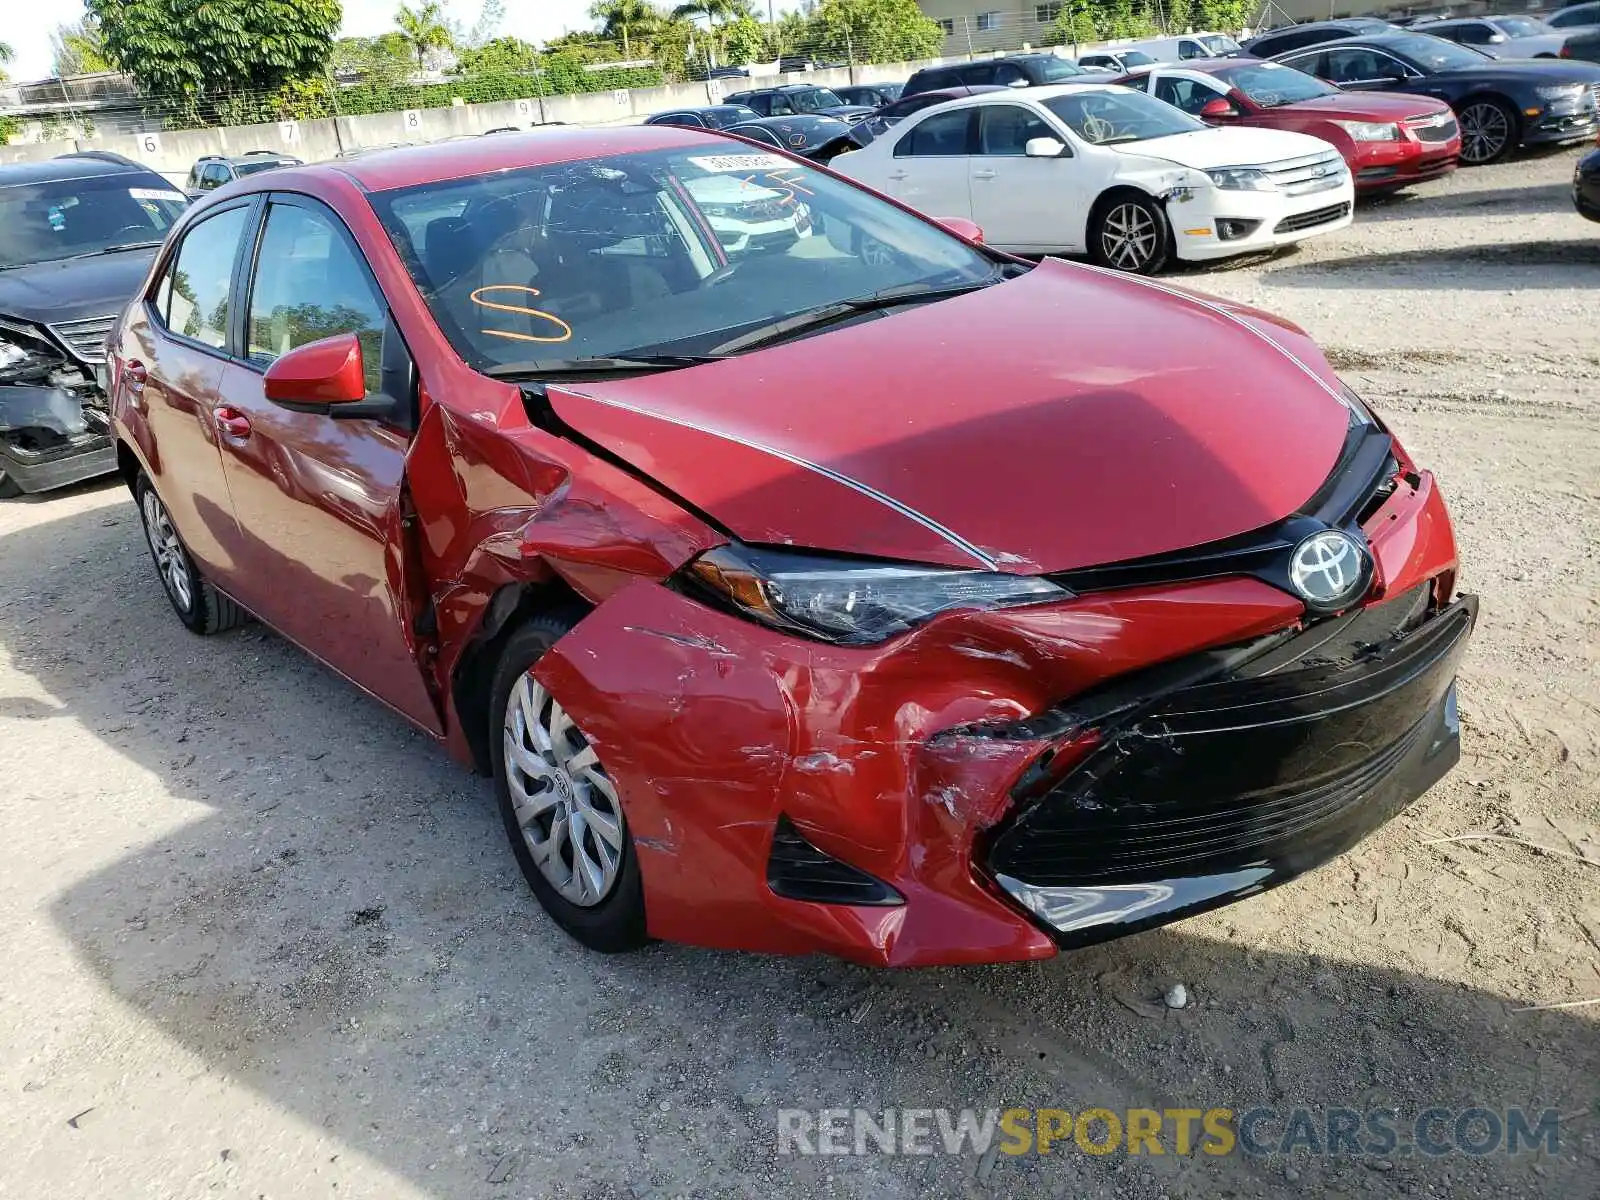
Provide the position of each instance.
(873, 31)
(204, 52)
(1101, 20)
(5, 57)
(385, 57)
(623, 18)
(743, 41)
(424, 28)
(78, 48)
(502, 54)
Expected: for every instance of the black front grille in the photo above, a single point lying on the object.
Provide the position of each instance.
(1271, 764)
(86, 338)
(1435, 131)
(797, 870)
(1310, 220)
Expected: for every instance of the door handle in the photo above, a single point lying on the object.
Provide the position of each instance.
(231, 422)
(135, 373)
(897, 175)
(983, 174)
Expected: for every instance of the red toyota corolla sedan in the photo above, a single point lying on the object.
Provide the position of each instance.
(863, 591)
(1390, 141)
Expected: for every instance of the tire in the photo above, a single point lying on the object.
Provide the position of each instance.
(542, 807)
(200, 607)
(8, 487)
(1130, 233)
(1489, 131)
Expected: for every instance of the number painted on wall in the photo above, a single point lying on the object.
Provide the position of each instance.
(412, 118)
(150, 143)
(289, 132)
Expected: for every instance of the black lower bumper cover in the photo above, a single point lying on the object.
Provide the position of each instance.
(1224, 789)
(49, 440)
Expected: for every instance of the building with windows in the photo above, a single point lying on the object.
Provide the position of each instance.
(979, 25)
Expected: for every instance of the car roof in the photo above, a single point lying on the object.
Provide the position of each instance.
(70, 166)
(411, 165)
(1341, 23)
(1048, 91)
(1203, 65)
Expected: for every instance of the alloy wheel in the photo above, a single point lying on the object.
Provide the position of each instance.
(1485, 129)
(1129, 237)
(171, 561)
(563, 801)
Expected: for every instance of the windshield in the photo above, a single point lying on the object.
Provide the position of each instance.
(1219, 43)
(1272, 84)
(267, 164)
(724, 115)
(1521, 27)
(1136, 58)
(1052, 69)
(44, 222)
(812, 100)
(1434, 54)
(1103, 118)
(691, 247)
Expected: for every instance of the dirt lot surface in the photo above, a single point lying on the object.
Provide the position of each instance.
(261, 940)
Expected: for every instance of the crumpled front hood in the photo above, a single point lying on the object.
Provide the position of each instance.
(1068, 418)
(73, 290)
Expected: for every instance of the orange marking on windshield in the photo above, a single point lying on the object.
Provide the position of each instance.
(476, 298)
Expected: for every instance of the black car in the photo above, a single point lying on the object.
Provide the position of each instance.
(1583, 43)
(707, 116)
(891, 115)
(77, 234)
(798, 99)
(1575, 15)
(211, 171)
(1586, 186)
(1296, 37)
(817, 137)
(1500, 103)
(1014, 70)
(873, 95)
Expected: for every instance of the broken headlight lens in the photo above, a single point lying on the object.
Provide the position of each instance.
(853, 603)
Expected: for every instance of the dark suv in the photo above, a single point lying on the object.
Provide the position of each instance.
(798, 100)
(77, 234)
(211, 171)
(1308, 33)
(1014, 70)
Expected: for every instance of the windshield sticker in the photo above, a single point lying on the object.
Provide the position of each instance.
(155, 194)
(787, 182)
(562, 332)
(740, 162)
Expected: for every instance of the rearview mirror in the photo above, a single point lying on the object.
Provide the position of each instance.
(1044, 147)
(964, 229)
(1219, 109)
(318, 374)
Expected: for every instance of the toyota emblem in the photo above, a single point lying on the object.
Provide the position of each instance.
(1328, 569)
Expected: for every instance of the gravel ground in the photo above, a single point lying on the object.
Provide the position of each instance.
(264, 941)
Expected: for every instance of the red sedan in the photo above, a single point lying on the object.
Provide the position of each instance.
(1389, 140)
(865, 592)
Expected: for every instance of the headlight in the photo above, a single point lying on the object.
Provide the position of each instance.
(852, 603)
(1370, 131)
(1559, 91)
(1241, 179)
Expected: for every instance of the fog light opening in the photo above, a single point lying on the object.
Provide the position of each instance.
(1231, 229)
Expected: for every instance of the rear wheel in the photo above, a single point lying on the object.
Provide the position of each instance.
(200, 607)
(1130, 233)
(1488, 131)
(560, 807)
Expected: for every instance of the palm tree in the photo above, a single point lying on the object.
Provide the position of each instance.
(713, 10)
(423, 28)
(619, 18)
(5, 57)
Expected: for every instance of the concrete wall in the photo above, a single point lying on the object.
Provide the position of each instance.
(173, 153)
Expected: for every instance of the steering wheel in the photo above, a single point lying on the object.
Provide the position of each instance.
(1098, 129)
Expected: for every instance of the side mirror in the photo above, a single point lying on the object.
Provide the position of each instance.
(968, 231)
(1220, 109)
(319, 374)
(1496, 38)
(1044, 147)
(1018, 83)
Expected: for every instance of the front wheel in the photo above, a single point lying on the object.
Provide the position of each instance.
(560, 807)
(1488, 132)
(1130, 233)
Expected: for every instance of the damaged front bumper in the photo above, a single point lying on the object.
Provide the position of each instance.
(1231, 786)
(914, 803)
(49, 438)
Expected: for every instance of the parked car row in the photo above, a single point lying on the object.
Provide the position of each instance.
(683, 547)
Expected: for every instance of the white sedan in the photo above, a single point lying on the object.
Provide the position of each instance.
(1104, 170)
